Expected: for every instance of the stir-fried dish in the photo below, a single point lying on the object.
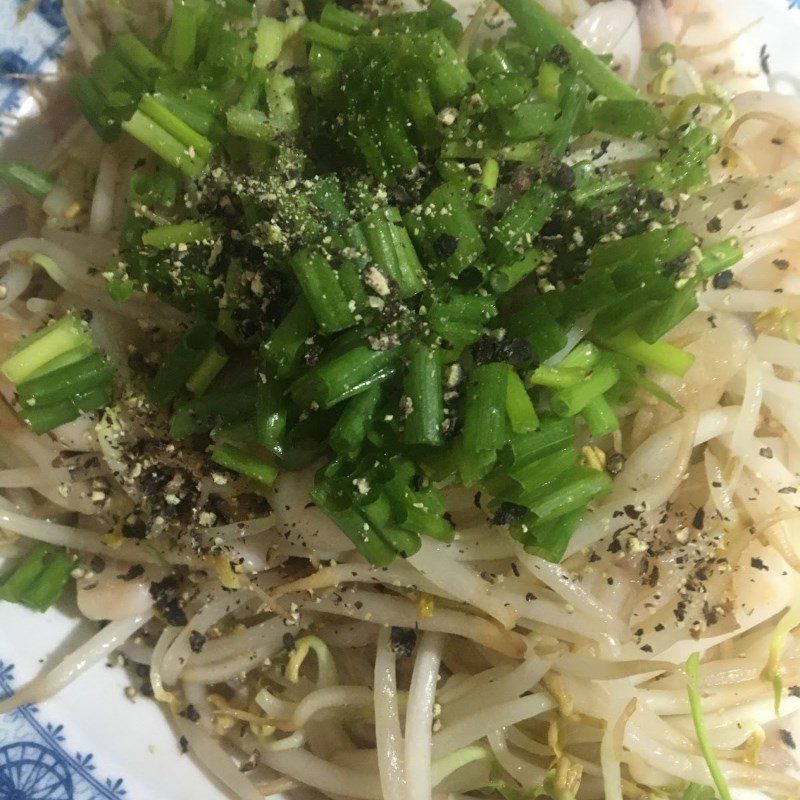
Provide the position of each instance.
(414, 400)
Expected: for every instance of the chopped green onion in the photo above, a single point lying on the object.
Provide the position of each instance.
(485, 418)
(284, 346)
(37, 350)
(228, 406)
(35, 182)
(245, 463)
(39, 579)
(571, 400)
(512, 235)
(352, 427)
(164, 144)
(320, 285)
(350, 374)
(660, 355)
(542, 31)
(600, 417)
(182, 362)
(392, 251)
(208, 369)
(188, 232)
(320, 34)
(424, 393)
(522, 415)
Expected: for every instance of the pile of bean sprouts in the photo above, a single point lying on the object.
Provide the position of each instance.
(471, 665)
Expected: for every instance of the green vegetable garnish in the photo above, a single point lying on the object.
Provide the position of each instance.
(59, 374)
(39, 579)
(385, 254)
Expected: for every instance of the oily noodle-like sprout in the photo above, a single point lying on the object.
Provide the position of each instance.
(519, 668)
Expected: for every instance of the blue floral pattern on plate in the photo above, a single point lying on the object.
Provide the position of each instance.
(30, 46)
(35, 763)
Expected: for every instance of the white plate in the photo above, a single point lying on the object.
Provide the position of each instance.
(92, 742)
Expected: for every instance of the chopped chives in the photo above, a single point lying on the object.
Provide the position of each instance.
(283, 348)
(542, 31)
(352, 427)
(60, 384)
(549, 539)
(423, 393)
(39, 579)
(32, 180)
(208, 369)
(485, 417)
(513, 234)
(43, 418)
(40, 348)
(324, 294)
(188, 232)
(506, 277)
(660, 355)
(182, 362)
(249, 123)
(340, 19)
(573, 490)
(600, 417)
(198, 146)
(571, 400)
(320, 34)
(163, 144)
(522, 415)
(349, 374)
(245, 463)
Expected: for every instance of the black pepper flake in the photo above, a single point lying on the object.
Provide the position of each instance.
(191, 713)
(794, 691)
(513, 350)
(714, 225)
(646, 648)
(781, 263)
(564, 177)
(183, 745)
(515, 569)
(615, 546)
(289, 642)
(559, 55)
(530, 597)
(722, 280)
(699, 519)
(508, 513)
(97, 564)
(787, 490)
(174, 614)
(160, 589)
(763, 58)
(403, 641)
(660, 627)
(484, 350)
(134, 527)
(765, 452)
(196, 641)
(136, 571)
(787, 738)
(757, 563)
(632, 512)
(615, 463)
(445, 245)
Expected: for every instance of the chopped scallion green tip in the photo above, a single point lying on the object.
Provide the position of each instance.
(39, 579)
